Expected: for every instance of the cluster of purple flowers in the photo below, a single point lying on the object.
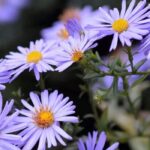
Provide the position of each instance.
(41, 122)
(62, 45)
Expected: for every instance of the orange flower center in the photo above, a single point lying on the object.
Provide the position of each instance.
(63, 34)
(44, 118)
(77, 55)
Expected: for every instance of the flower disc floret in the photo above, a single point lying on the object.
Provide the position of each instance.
(63, 34)
(34, 57)
(120, 25)
(44, 118)
(77, 55)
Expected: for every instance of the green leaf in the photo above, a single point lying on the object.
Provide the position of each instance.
(137, 82)
(91, 75)
(103, 122)
(140, 63)
(115, 86)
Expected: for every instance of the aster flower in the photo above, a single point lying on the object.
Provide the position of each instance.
(43, 120)
(7, 127)
(146, 54)
(95, 143)
(59, 32)
(4, 74)
(72, 51)
(38, 57)
(17, 3)
(74, 28)
(10, 9)
(130, 23)
(144, 45)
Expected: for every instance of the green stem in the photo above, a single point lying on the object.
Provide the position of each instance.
(130, 58)
(94, 107)
(42, 83)
(126, 87)
(123, 73)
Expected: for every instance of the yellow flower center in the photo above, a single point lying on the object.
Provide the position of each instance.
(44, 118)
(120, 25)
(63, 34)
(77, 55)
(34, 57)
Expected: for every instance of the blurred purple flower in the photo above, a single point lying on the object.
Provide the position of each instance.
(10, 9)
(144, 45)
(4, 75)
(80, 19)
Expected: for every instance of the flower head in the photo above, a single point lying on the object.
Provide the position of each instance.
(10, 9)
(59, 32)
(43, 120)
(74, 28)
(144, 45)
(144, 48)
(95, 143)
(8, 126)
(38, 57)
(130, 23)
(72, 51)
(4, 74)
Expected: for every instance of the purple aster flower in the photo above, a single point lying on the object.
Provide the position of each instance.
(38, 57)
(18, 3)
(74, 28)
(144, 45)
(4, 74)
(8, 127)
(144, 51)
(93, 142)
(43, 120)
(130, 23)
(10, 9)
(72, 51)
(59, 32)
